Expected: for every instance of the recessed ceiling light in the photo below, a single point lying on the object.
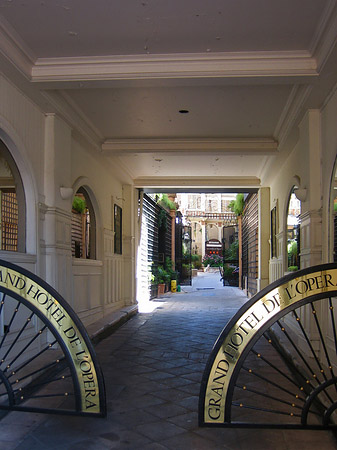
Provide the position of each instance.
(183, 111)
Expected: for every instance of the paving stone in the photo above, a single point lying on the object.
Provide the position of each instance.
(167, 410)
(160, 430)
(152, 366)
(190, 441)
(189, 421)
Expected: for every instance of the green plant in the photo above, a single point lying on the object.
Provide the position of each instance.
(196, 261)
(165, 201)
(237, 205)
(212, 261)
(233, 251)
(168, 266)
(292, 268)
(162, 222)
(79, 204)
(228, 271)
(161, 275)
(292, 253)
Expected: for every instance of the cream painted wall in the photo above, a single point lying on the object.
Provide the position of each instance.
(329, 151)
(303, 167)
(48, 156)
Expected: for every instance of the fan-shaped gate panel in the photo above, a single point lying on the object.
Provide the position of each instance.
(275, 363)
(47, 361)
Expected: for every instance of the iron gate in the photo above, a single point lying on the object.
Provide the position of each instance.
(275, 363)
(47, 361)
(230, 255)
(183, 252)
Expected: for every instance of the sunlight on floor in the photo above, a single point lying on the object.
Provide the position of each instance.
(147, 306)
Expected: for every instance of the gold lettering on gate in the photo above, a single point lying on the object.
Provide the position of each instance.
(239, 336)
(67, 329)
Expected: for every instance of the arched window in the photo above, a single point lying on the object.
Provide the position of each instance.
(293, 232)
(12, 204)
(83, 226)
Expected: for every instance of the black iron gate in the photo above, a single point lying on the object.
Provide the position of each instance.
(230, 255)
(183, 250)
(47, 362)
(275, 364)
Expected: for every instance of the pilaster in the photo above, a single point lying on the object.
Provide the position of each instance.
(311, 238)
(55, 213)
(56, 249)
(129, 260)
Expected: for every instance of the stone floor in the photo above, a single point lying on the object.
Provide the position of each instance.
(152, 367)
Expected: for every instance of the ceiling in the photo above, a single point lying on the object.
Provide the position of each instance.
(183, 93)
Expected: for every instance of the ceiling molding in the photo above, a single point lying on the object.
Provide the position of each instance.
(291, 111)
(15, 49)
(190, 146)
(325, 37)
(95, 132)
(241, 64)
(193, 182)
(72, 118)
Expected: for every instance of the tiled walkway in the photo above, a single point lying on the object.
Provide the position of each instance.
(152, 367)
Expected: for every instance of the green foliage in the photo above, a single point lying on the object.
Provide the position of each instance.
(196, 261)
(237, 205)
(168, 266)
(162, 222)
(233, 252)
(292, 248)
(212, 260)
(161, 276)
(292, 254)
(228, 271)
(164, 275)
(79, 204)
(165, 201)
(292, 268)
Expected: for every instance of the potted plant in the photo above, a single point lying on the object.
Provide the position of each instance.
(162, 278)
(230, 275)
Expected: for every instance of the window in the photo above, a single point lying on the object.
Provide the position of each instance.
(273, 231)
(293, 232)
(118, 229)
(12, 204)
(83, 227)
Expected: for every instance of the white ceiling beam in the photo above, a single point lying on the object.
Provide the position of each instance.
(197, 182)
(204, 65)
(229, 146)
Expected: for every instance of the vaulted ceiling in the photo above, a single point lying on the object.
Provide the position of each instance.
(187, 93)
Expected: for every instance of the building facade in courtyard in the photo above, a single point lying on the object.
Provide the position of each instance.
(207, 214)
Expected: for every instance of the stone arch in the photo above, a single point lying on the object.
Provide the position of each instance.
(16, 149)
(83, 184)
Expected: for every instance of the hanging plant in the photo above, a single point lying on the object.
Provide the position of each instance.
(79, 204)
(166, 202)
(237, 205)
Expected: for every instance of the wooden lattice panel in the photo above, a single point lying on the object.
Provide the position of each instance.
(9, 221)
